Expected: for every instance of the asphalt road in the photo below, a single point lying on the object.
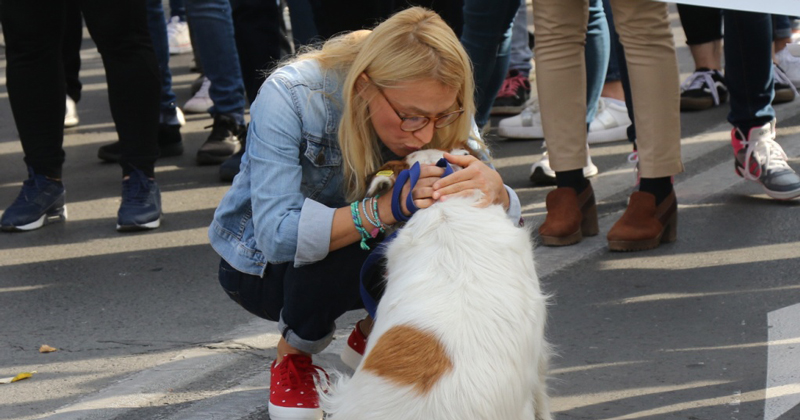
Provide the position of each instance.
(705, 328)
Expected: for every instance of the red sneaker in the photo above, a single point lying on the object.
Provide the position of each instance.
(293, 395)
(356, 345)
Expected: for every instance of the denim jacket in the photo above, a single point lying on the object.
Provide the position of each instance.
(281, 204)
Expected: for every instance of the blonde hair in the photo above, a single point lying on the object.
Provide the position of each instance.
(414, 44)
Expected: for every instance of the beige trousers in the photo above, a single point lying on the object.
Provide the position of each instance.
(644, 32)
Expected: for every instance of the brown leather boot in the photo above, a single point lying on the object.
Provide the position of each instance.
(643, 225)
(570, 217)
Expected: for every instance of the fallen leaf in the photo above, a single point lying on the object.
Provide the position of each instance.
(47, 349)
(21, 376)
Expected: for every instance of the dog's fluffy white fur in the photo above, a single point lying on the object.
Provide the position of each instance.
(464, 276)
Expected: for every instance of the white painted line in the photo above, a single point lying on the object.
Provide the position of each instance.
(783, 362)
(146, 386)
(154, 384)
(249, 396)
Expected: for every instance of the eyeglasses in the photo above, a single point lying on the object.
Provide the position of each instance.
(418, 122)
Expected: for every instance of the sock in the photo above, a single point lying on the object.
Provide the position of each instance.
(573, 179)
(659, 187)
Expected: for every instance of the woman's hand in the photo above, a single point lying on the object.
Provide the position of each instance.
(423, 190)
(476, 175)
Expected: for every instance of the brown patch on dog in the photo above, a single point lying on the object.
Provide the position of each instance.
(409, 356)
(395, 166)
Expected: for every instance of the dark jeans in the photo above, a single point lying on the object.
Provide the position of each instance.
(335, 16)
(177, 8)
(34, 34)
(304, 30)
(487, 39)
(158, 34)
(748, 68)
(213, 37)
(306, 300)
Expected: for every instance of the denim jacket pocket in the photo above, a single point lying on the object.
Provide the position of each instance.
(322, 161)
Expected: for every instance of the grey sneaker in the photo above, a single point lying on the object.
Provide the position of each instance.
(224, 141)
(766, 162)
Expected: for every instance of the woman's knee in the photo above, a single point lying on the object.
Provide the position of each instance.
(256, 295)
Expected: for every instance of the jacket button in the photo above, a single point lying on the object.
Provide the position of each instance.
(320, 158)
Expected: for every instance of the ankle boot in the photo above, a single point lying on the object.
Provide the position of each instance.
(570, 217)
(643, 225)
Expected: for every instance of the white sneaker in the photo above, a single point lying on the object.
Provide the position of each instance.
(526, 125)
(200, 102)
(789, 62)
(610, 123)
(543, 174)
(178, 36)
(70, 114)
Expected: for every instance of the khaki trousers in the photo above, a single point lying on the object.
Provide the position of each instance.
(644, 32)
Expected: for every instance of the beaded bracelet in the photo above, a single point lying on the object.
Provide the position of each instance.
(374, 220)
(357, 221)
(383, 227)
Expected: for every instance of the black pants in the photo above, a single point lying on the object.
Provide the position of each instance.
(34, 32)
(260, 39)
(309, 298)
(73, 37)
(700, 24)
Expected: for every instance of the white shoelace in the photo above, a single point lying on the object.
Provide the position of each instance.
(699, 79)
(781, 77)
(768, 152)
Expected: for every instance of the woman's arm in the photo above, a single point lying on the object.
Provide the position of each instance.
(343, 230)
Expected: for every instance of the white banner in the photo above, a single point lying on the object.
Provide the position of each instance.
(780, 7)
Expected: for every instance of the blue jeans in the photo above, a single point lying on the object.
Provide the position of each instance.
(618, 69)
(212, 30)
(782, 26)
(304, 30)
(748, 68)
(158, 33)
(487, 39)
(598, 48)
(521, 55)
(305, 300)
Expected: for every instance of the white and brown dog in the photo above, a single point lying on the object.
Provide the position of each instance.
(383, 180)
(459, 332)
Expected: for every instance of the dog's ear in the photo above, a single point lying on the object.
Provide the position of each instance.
(383, 180)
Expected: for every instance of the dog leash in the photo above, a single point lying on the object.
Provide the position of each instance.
(371, 264)
(411, 176)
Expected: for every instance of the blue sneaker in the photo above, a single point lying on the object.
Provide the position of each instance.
(141, 203)
(40, 201)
